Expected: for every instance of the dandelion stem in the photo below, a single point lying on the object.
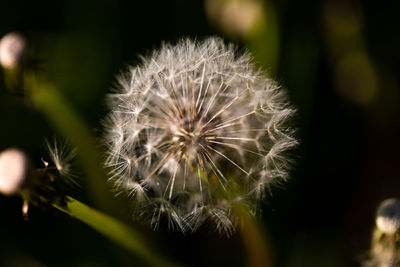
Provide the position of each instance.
(115, 230)
(254, 240)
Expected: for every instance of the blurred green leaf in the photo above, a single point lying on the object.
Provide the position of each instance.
(115, 230)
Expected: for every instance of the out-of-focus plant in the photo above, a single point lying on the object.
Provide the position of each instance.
(13, 55)
(14, 166)
(355, 75)
(254, 22)
(385, 246)
(13, 49)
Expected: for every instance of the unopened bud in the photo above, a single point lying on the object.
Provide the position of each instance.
(14, 167)
(388, 216)
(13, 47)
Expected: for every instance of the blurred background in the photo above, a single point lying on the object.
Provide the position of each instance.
(338, 60)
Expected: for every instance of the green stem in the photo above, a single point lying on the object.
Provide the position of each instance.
(115, 230)
(255, 243)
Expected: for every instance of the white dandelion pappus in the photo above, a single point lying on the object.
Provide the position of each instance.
(195, 130)
(62, 156)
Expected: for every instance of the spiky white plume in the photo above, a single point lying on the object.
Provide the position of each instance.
(194, 130)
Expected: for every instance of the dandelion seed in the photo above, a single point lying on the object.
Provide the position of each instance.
(61, 156)
(205, 130)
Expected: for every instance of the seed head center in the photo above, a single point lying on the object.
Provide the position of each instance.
(192, 135)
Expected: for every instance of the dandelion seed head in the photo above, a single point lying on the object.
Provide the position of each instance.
(205, 130)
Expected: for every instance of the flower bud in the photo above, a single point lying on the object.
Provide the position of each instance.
(14, 167)
(13, 47)
(388, 216)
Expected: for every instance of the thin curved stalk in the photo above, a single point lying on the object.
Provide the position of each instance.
(115, 230)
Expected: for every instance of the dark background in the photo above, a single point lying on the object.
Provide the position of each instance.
(342, 78)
